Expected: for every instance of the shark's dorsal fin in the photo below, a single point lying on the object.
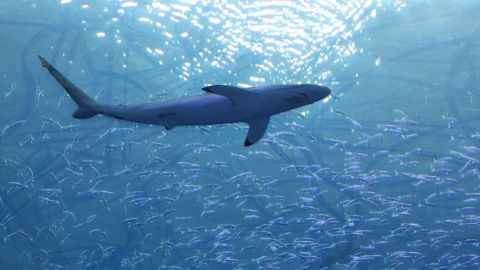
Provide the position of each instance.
(257, 128)
(234, 93)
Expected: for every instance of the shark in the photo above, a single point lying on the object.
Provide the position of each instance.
(219, 104)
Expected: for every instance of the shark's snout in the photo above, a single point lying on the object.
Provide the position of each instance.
(312, 92)
(323, 92)
(317, 92)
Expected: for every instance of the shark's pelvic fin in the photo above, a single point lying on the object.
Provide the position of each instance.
(257, 128)
(87, 107)
(168, 126)
(235, 94)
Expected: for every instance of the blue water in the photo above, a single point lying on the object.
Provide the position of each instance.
(384, 175)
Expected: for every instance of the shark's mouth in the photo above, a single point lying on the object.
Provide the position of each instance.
(299, 98)
(306, 97)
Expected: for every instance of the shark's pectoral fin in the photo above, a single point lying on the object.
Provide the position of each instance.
(257, 128)
(235, 94)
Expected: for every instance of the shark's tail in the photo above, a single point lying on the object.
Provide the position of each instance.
(87, 107)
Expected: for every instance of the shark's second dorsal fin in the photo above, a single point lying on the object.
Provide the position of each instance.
(235, 94)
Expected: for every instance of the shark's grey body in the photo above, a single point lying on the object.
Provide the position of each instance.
(219, 105)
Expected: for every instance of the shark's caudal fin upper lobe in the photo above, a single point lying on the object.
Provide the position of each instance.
(87, 107)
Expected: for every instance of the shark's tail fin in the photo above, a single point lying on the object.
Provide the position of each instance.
(87, 107)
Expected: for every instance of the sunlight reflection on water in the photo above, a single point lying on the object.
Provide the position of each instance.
(296, 40)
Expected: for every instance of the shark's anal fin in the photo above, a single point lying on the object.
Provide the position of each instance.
(256, 130)
(235, 94)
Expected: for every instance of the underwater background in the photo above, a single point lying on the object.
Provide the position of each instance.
(384, 175)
